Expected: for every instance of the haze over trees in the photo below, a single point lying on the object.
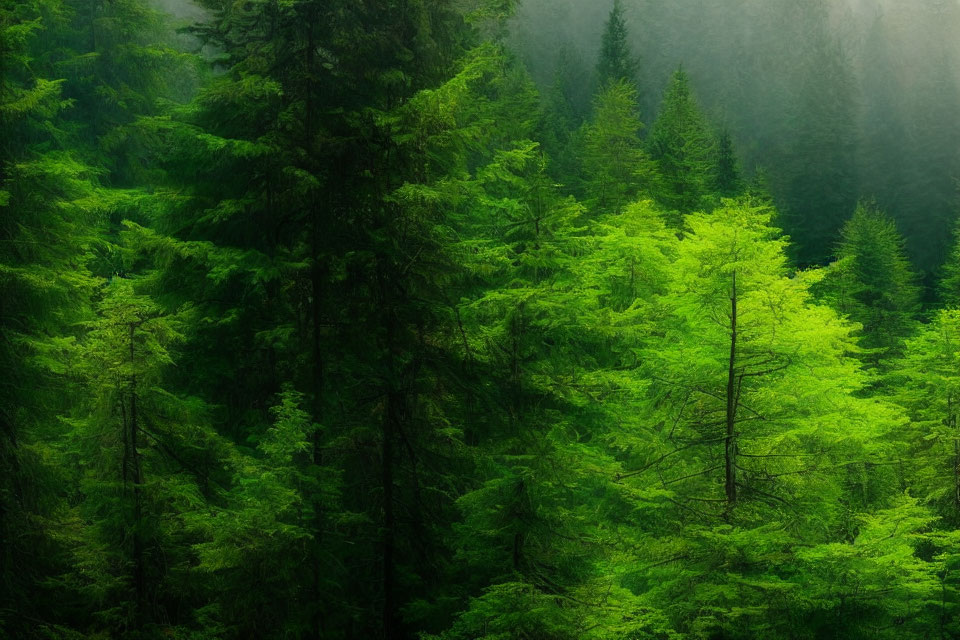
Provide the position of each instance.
(836, 100)
(450, 321)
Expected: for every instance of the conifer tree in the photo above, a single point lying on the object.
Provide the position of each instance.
(616, 63)
(340, 296)
(49, 208)
(567, 105)
(727, 179)
(926, 384)
(748, 400)
(949, 285)
(684, 149)
(817, 178)
(614, 162)
(136, 448)
(873, 282)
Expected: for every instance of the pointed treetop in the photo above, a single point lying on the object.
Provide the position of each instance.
(616, 62)
(684, 145)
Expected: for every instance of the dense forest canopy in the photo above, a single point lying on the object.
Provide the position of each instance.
(470, 320)
(835, 99)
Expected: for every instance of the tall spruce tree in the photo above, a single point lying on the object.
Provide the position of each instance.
(872, 282)
(50, 206)
(615, 166)
(615, 63)
(817, 178)
(684, 149)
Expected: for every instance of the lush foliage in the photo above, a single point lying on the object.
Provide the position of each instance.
(342, 329)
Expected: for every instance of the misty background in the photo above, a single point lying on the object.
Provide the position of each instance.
(831, 102)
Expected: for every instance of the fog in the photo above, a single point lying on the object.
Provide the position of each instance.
(183, 11)
(837, 101)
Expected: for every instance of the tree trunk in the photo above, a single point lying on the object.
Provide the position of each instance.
(730, 443)
(392, 417)
(139, 579)
(317, 277)
(389, 520)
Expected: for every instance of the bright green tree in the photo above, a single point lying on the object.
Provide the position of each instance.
(615, 166)
(749, 432)
(926, 383)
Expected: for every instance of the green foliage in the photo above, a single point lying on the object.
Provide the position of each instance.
(614, 163)
(727, 179)
(264, 522)
(924, 381)
(363, 337)
(872, 282)
(949, 285)
(615, 62)
(685, 150)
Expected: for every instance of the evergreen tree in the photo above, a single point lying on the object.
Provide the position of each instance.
(750, 426)
(615, 166)
(50, 204)
(144, 458)
(872, 282)
(616, 63)
(341, 297)
(567, 104)
(949, 285)
(816, 179)
(684, 149)
(926, 384)
(727, 179)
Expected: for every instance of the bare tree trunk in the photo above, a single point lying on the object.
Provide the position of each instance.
(139, 578)
(393, 415)
(730, 444)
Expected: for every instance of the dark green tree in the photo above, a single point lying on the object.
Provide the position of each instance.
(566, 107)
(50, 206)
(616, 62)
(872, 282)
(949, 285)
(727, 180)
(817, 179)
(684, 148)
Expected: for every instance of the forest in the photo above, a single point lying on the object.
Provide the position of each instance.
(479, 320)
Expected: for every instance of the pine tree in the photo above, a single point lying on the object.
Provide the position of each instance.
(873, 282)
(340, 298)
(925, 382)
(567, 105)
(615, 166)
(615, 63)
(554, 310)
(684, 149)
(727, 179)
(949, 285)
(136, 448)
(50, 203)
(817, 178)
(750, 425)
